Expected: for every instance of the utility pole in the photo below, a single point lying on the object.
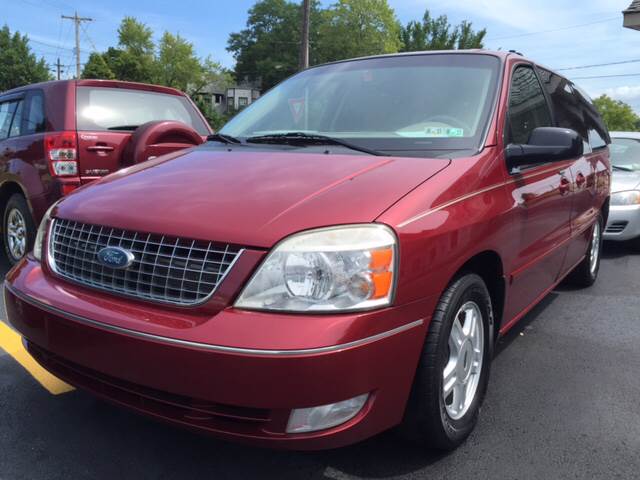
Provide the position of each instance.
(304, 44)
(58, 68)
(77, 21)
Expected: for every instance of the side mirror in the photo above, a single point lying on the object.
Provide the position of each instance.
(546, 144)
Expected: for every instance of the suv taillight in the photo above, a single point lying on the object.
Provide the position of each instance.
(61, 150)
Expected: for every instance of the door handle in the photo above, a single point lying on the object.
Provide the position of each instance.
(565, 186)
(100, 148)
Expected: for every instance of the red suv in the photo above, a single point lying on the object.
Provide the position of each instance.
(56, 136)
(338, 260)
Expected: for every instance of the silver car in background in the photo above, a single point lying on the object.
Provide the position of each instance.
(624, 215)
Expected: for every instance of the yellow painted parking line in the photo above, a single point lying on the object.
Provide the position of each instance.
(11, 342)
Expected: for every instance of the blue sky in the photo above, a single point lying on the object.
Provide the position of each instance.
(556, 33)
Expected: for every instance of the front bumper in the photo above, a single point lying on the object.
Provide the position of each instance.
(623, 223)
(230, 391)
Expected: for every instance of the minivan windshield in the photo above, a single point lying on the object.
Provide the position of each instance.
(625, 153)
(428, 104)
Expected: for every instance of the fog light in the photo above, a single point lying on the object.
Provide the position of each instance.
(325, 416)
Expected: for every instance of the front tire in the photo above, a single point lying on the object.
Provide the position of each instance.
(586, 273)
(18, 229)
(453, 372)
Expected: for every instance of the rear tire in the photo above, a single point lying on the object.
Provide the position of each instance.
(451, 382)
(18, 230)
(586, 273)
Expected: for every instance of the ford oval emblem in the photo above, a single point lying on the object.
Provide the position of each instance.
(115, 257)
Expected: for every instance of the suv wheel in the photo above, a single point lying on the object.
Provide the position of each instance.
(453, 372)
(18, 228)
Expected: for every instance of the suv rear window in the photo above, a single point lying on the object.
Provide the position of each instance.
(103, 108)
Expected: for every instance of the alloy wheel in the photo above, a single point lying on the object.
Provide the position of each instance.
(16, 236)
(461, 374)
(594, 254)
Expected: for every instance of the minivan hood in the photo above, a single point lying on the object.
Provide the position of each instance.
(622, 181)
(252, 198)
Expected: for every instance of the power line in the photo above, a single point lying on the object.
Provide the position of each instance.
(607, 76)
(553, 30)
(599, 65)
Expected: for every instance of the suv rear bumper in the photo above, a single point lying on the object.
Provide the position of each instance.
(233, 393)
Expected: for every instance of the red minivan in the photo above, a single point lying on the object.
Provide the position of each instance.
(56, 136)
(338, 260)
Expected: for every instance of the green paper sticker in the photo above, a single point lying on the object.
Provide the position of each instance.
(443, 132)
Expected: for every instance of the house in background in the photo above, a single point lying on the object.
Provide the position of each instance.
(231, 99)
(632, 15)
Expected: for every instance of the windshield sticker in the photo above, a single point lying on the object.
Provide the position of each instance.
(443, 132)
(297, 108)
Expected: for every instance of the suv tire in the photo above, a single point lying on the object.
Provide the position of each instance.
(18, 229)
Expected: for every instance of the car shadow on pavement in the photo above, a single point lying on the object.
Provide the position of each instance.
(618, 249)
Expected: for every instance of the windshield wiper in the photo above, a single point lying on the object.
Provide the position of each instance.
(624, 169)
(302, 138)
(221, 137)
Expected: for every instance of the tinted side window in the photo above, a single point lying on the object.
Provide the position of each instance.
(596, 129)
(6, 116)
(528, 108)
(566, 105)
(34, 120)
(16, 125)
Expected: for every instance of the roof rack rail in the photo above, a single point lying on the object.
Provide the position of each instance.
(516, 52)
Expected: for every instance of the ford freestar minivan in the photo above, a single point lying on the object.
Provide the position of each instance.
(337, 261)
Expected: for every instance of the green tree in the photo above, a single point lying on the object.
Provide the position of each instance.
(177, 63)
(133, 60)
(438, 34)
(616, 114)
(19, 64)
(267, 49)
(96, 67)
(355, 28)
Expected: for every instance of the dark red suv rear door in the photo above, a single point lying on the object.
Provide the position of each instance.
(107, 114)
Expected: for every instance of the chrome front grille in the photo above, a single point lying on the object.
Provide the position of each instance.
(165, 269)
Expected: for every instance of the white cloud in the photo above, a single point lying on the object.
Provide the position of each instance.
(626, 93)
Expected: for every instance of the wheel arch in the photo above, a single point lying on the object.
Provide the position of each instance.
(7, 189)
(489, 266)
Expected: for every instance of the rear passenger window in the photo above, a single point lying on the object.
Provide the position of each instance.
(6, 116)
(596, 129)
(34, 121)
(528, 108)
(16, 125)
(566, 104)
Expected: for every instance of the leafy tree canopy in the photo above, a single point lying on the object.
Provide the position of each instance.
(438, 34)
(172, 62)
(19, 64)
(617, 115)
(267, 49)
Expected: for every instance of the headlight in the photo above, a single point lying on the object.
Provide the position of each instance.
(630, 197)
(329, 269)
(38, 244)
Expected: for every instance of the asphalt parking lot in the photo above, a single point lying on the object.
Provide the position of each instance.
(563, 402)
